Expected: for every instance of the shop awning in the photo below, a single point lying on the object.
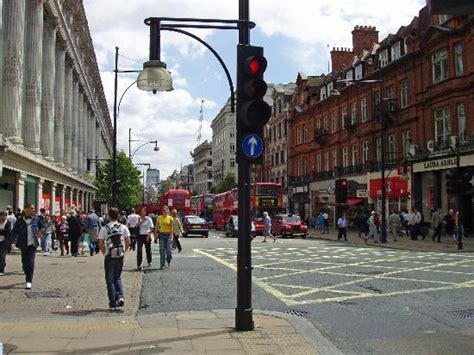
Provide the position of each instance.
(354, 201)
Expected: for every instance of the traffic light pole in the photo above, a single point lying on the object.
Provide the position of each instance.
(243, 311)
(458, 197)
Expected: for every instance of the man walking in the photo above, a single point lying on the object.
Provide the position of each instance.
(436, 223)
(394, 222)
(132, 221)
(342, 226)
(164, 230)
(326, 222)
(92, 228)
(25, 234)
(114, 241)
(267, 231)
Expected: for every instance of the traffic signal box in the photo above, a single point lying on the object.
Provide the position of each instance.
(253, 112)
(341, 191)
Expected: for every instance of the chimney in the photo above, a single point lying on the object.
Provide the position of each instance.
(340, 57)
(363, 37)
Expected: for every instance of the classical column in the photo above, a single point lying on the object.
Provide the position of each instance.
(80, 122)
(48, 90)
(75, 126)
(59, 92)
(32, 80)
(62, 203)
(71, 195)
(39, 194)
(68, 103)
(12, 84)
(52, 208)
(20, 190)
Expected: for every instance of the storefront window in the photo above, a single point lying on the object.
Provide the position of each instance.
(428, 194)
(30, 190)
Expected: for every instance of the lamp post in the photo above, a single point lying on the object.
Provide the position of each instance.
(130, 140)
(153, 78)
(143, 191)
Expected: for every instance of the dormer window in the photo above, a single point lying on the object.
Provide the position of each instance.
(383, 58)
(330, 87)
(322, 93)
(358, 72)
(349, 75)
(396, 53)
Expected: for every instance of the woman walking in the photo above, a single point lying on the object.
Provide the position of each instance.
(5, 243)
(164, 229)
(177, 229)
(62, 233)
(145, 229)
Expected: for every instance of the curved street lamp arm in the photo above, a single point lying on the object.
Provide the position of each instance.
(133, 154)
(208, 46)
(123, 94)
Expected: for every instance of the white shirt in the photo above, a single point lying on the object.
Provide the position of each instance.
(122, 228)
(132, 220)
(31, 238)
(146, 226)
(325, 216)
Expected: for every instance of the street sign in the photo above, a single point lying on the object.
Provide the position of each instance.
(362, 193)
(252, 146)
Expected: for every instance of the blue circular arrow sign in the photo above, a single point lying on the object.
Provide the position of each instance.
(252, 146)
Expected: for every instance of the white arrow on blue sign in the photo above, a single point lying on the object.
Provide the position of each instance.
(252, 146)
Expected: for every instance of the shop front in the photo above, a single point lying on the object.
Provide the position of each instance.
(397, 194)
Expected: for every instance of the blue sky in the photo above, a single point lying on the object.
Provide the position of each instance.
(295, 36)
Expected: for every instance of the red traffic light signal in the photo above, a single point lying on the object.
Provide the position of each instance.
(341, 191)
(344, 183)
(255, 65)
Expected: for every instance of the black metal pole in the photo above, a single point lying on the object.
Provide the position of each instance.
(243, 311)
(458, 196)
(382, 151)
(143, 193)
(114, 148)
(130, 143)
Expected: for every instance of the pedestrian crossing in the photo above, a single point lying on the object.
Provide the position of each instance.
(333, 273)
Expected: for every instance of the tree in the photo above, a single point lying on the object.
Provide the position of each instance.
(224, 185)
(129, 186)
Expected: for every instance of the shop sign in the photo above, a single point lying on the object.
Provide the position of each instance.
(435, 164)
(395, 187)
(362, 193)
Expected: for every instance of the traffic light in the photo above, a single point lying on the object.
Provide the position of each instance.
(451, 182)
(341, 191)
(253, 112)
(466, 185)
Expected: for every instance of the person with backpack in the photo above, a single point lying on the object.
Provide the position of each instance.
(114, 241)
(92, 228)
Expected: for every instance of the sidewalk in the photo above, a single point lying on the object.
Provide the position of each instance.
(67, 311)
(403, 243)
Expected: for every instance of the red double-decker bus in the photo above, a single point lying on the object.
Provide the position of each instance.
(180, 200)
(201, 205)
(264, 196)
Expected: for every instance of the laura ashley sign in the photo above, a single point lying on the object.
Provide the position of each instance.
(446, 163)
(449, 162)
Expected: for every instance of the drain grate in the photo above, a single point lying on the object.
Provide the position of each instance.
(463, 314)
(45, 294)
(295, 312)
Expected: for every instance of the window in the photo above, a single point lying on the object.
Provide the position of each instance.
(298, 135)
(358, 72)
(365, 152)
(330, 87)
(343, 117)
(355, 154)
(334, 158)
(318, 162)
(322, 93)
(326, 161)
(277, 159)
(232, 148)
(353, 113)
(345, 157)
(232, 134)
(305, 134)
(274, 133)
(442, 124)
(326, 124)
(391, 98)
(349, 75)
(279, 130)
(279, 106)
(305, 166)
(333, 123)
(363, 109)
(439, 62)
(378, 148)
(232, 163)
(318, 123)
(461, 121)
(404, 93)
(282, 155)
(395, 51)
(443, 18)
(383, 58)
(298, 171)
(458, 63)
(391, 147)
(406, 142)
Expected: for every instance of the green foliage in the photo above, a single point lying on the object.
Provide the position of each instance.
(224, 185)
(129, 187)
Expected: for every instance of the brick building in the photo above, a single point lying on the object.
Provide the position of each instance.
(426, 79)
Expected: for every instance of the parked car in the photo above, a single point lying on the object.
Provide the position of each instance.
(289, 225)
(232, 227)
(194, 225)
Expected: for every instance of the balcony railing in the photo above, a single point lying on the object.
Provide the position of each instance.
(320, 135)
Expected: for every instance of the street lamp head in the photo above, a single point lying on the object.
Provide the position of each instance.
(154, 77)
(156, 149)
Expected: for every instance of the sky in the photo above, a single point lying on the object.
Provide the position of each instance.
(296, 35)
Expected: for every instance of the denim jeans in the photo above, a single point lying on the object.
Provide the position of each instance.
(165, 248)
(45, 240)
(3, 256)
(113, 271)
(28, 255)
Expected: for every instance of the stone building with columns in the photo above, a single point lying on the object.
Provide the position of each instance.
(53, 111)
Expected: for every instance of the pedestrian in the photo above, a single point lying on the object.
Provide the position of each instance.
(164, 231)
(25, 234)
(75, 232)
(414, 223)
(132, 221)
(177, 230)
(321, 222)
(145, 230)
(372, 228)
(114, 241)
(10, 215)
(122, 218)
(92, 228)
(267, 230)
(342, 226)
(62, 233)
(5, 241)
(458, 227)
(436, 224)
(394, 223)
(326, 222)
(46, 238)
(449, 224)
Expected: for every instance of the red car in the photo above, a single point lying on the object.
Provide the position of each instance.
(289, 224)
(194, 225)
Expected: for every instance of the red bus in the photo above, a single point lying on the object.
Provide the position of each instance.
(264, 196)
(180, 200)
(201, 205)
